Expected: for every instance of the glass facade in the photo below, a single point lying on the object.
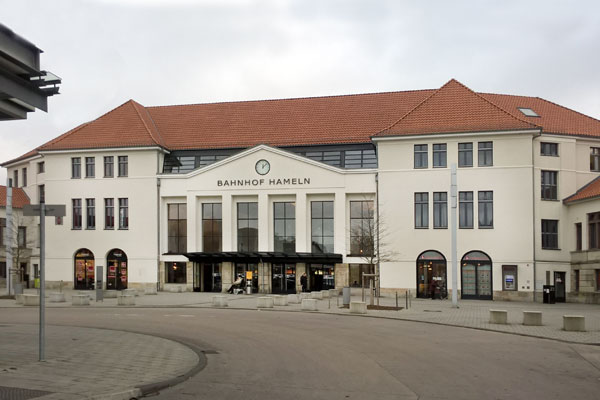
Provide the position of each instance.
(284, 220)
(322, 226)
(362, 228)
(177, 228)
(212, 227)
(247, 226)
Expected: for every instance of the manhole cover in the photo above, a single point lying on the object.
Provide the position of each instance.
(11, 393)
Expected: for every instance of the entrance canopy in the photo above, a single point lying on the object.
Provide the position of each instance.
(270, 257)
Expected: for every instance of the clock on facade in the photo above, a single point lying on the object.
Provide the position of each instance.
(262, 167)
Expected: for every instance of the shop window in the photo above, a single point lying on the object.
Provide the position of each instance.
(439, 155)
(177, 228)
(84, 269)
(90, 167)
(431, 275)
(549, 149)
(422, 210)
(486, 209)
(595, 159)
(549, 185)
(550, 234)
(485, 156)
(247, 233)
(90, 206)
(465, 154)
(211, 227)
(509, 278)
(465, 210)
(440, 210)
(322, 226)
(76, 167)
(109, 166)
(284, 220)
(420, 156)
(594, 230)
(76, 213)
(175, 272)
(362, 228)
(578, 236)
(476, 276)
(356, 273)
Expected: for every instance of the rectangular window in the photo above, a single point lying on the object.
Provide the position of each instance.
(422, 210)
(247, 223)
(211, 226)
(465, 154)
(22, 237)
(509, 277)
(109, 213)
(175, 272)
(485, 156)
(465, 210)
(549, 149)
(550, 234)
(549, 185)
(2, 227)
(90, 167)
(109, 167)
(24, 177)
(90, 207)
(360, 159)
(595, 159)
(578, 236)
(577, 278)
(439, 155)
(76, 213)
(486, 209)
(42, 194)
(123, 167)
(284, 220)
(420, 156)
(76, 167)
(597, 280)
(328, 157)
(123, 213)
(16, 178)
(177, 228)
(40, 167)
(321, 226)
(362, 228)
(594, 230)
(440, 209)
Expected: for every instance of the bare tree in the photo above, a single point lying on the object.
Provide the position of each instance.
(23, 242)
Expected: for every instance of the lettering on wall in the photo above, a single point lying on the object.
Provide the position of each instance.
(263, 182)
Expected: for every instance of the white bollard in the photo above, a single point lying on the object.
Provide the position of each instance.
(126, 300)
(264, 302)
(333, 293)
(574, 323)
(293, 299)
(19, 298)
(132, 292)
(110, 294)
(309, 305)
(57, 297)
(31, 300)
(498, 317)
(325, 294)
(150, 290)
(280, 300)
(358, 307)
(220, 301)
(304, 295)
(532, 318)
(316, 295)
(80, 300)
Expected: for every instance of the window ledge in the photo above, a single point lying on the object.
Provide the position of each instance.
(551, 248)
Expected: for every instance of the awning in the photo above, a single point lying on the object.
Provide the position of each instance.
(260, 257)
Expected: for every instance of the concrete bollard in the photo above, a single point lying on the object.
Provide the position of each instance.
(150, 290)
(280, 300)
(131, 292)
(304, 295)
(358, 307)
(19, 298)
(57, 298)
(264, 302)
(80, 300)
(532, 318)
(325, 294)
(309, 304)
(574, 323)
(220, 301)
(293, 299)
(333, 293)
(31, 300)
(110, 294)
(498, 317)
(126, 300)
(316, 295)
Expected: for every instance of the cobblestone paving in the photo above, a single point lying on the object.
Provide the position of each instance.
(85, 362)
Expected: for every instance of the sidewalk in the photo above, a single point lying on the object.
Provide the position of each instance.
(86, 363)
(470, 314)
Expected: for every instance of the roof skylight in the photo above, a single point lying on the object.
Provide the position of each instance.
(528, 112)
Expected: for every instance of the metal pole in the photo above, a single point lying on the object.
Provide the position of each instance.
(454, 230)
(42, 282)
(8, 236)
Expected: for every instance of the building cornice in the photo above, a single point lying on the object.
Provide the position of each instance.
(454, 135)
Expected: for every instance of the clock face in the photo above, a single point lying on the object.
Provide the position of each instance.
(263, 167)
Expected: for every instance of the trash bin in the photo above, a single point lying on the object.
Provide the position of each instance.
(346, 295)
(549, 294)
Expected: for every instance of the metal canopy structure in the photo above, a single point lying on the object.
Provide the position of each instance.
(270, 257)
(23, 85)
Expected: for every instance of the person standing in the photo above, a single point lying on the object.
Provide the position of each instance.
(303, 281)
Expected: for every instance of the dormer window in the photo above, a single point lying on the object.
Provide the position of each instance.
(528, 112)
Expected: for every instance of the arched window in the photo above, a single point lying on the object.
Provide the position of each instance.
(476, 276)
(84, 269)
(116, 270)
(431, 275)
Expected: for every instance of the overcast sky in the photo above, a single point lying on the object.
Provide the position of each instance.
(184, 51)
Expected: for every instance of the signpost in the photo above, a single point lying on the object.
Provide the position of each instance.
(99, 292)
(43, 210)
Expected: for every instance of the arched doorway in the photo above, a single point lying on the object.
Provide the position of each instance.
(84, 270)
(116, 270)
(476, 276)
(431, 275)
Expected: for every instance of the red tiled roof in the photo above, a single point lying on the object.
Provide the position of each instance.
(318, 120)
(19, 197)
(455, 108)
(589, 191)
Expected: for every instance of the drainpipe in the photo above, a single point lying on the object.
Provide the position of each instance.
(377, 266)
(533, 211)
(8, 236)
(157, 222)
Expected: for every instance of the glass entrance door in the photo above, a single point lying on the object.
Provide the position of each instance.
(245, 271)
(321, 277)
(207, 277)
(116, 272)
(283, 278)
(84, 270)
(559, 286)
(476, 276)
(431, 275)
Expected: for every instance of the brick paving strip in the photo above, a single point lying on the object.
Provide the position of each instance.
(89, 363)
